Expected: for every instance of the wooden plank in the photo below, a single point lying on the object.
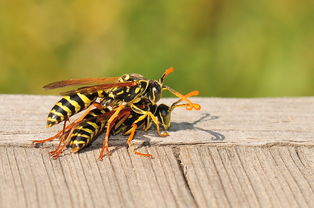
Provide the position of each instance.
(249, 176)
(180, 176)
(262, 157)
(264, 121)
(30, 178)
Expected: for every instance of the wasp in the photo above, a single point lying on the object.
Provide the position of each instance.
(117, 93)
(80, 134)
(129, 88)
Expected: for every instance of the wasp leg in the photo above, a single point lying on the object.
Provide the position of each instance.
(70, 128)
(62, 135)
(66, 141)
(133, 130)
(49, 139)
(145, 114)
(65, 129)
(105, 144)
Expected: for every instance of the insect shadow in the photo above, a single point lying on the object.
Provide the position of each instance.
(177, 126)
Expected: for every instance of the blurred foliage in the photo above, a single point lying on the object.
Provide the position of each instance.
(220, 47)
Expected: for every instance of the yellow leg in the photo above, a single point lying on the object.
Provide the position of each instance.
(133, 130)
(145, 114)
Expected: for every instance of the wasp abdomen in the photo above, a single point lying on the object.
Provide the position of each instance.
(84, 134)
(68, 106)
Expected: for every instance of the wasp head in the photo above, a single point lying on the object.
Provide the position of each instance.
(164, 115)
(155, 87)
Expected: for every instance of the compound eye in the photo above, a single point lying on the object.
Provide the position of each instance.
(157, 93)
(164, 113)
(152, 95)
(154, 91)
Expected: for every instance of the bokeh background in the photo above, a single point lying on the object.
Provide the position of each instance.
(224, 48)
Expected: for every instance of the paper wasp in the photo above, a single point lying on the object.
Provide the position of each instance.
(127, 89)
(117, 93)
(80, 134)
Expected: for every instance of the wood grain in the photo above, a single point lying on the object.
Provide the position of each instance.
(249, 176)
(181, 176)
(224, 121)
(79, 180)
(232, 153)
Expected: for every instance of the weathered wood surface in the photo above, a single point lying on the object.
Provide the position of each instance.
(266, 159)
(240, 121)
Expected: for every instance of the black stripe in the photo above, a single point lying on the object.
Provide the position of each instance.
(102, 94)
(82, 131)
(90, 127)
(60, 110)
(56, 117)
(92, 96)
(77, 98)
(66, 103)
(89, 116)
(79, 138)
(51, 123)
(50, 115)
(96, 111)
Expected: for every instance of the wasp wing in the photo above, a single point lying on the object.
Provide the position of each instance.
(72, 82)
(95, 88)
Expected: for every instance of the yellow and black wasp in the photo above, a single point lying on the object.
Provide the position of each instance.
(129, 88)
(82, 134)
(117, 93)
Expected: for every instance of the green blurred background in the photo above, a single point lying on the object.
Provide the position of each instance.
(223, 48)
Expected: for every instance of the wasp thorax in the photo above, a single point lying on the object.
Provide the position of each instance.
(154, 91)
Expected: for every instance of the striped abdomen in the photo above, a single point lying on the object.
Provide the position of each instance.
(84, 134)
(70, 105)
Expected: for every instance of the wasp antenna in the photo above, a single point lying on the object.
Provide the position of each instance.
(168, 71)
(194, 105)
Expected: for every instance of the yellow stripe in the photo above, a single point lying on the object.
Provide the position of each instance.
(119, 93)
(81, 135)
(53, 111)
(111, 95)
(52, 119)
(100, 93)
(74, 103)
(94, 125)
(137, 90)
(87, 130)
(65, 108)
(85, 99)
(92, 114)
(77, 142)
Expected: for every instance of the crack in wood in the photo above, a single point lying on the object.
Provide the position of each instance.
(176, 153)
